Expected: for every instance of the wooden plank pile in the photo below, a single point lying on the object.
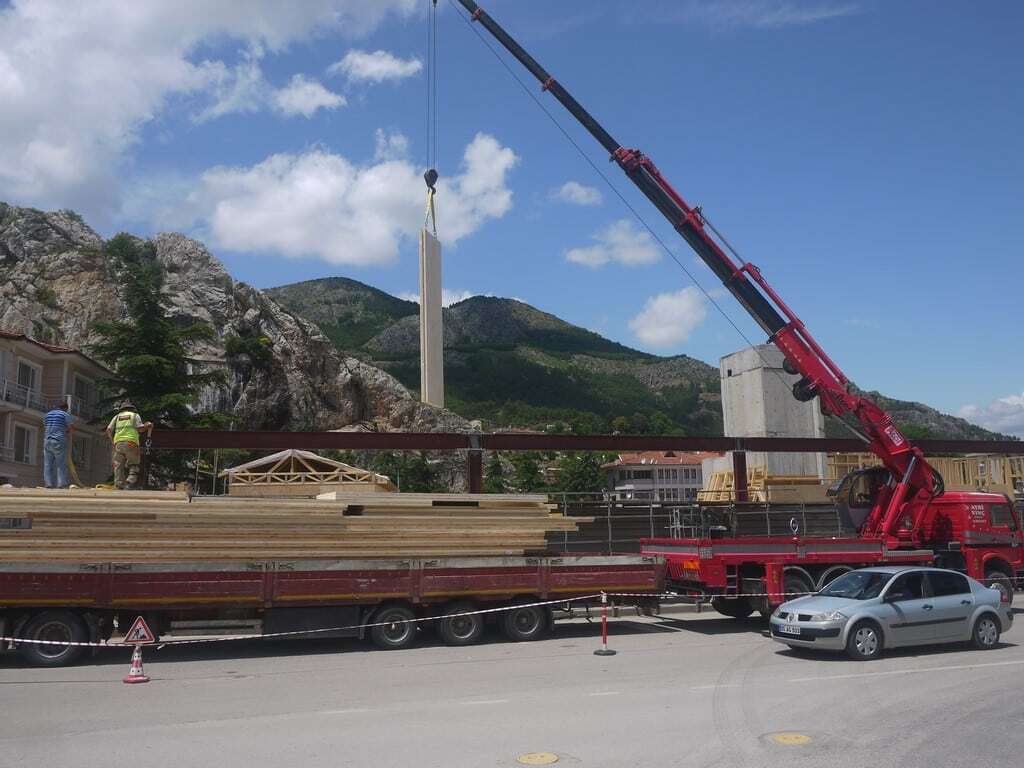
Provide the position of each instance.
(154, 526)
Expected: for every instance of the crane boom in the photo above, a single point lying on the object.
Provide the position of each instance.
(820, 376)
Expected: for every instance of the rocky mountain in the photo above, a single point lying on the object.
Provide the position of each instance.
(510, 364)
(55, 281)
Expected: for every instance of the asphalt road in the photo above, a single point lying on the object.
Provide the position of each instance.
(682, 691)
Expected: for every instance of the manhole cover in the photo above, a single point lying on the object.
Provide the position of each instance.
(537, 758)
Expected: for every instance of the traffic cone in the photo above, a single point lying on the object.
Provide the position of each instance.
(135, 673)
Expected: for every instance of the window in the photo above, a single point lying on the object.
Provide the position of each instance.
(28, 375)
(1000, 514)
(24, 444)
(943, 583)
(907, 586)
(661, 474)
(691, 493)
(675, 474)
(643, 474)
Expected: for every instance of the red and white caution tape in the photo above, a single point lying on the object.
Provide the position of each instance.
(293, 633)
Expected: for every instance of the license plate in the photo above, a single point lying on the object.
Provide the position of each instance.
(789, 629)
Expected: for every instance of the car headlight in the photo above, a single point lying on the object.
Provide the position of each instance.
(831, 616)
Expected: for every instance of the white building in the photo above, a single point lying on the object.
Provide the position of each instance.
(656, 476)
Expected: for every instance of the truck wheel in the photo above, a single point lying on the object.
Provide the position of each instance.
(733, 607)
(794, 585)
(864, 642)
(399, 634)
(985, 635)
(999, 580)
(54, 626)
(461, 630)
(527, 622)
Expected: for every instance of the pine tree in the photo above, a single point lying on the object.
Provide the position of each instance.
(147, 351)
(494, 475)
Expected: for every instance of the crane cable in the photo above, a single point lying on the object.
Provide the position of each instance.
(632, 209)
(431, 175)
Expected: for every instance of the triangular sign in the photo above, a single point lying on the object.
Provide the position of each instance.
(139, 634)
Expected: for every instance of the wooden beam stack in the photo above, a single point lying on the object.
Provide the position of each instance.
(153, 526)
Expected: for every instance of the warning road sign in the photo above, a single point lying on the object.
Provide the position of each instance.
(140, 633)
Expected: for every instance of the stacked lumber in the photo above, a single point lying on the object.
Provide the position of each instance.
(154, 526)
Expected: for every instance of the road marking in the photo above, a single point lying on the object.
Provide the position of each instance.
(714, 687)
(906, 671)
(604, 693)
(485, 701)
(790, 739)
(537, 758)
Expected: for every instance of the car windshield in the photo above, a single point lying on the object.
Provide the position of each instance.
(857, 585)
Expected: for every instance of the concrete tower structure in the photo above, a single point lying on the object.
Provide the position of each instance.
(757, 401)
(431, 323)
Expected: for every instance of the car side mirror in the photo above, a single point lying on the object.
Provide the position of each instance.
(890, 598)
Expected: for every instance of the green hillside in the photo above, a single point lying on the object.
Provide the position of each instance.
(512, 365)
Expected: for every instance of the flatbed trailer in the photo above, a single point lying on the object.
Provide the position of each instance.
(83, 601)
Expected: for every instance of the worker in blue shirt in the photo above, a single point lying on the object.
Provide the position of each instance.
(55, 447)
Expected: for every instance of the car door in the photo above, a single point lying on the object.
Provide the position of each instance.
(905, 610)
(953, 604)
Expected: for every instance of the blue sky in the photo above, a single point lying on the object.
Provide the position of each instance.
(867, 155)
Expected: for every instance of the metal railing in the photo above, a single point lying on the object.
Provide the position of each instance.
(759, 519)
(19, 394)
(612, 525)
(6, 453)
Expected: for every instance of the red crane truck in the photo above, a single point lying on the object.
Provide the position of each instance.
(895, 513)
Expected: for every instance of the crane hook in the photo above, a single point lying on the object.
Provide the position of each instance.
(431, 178)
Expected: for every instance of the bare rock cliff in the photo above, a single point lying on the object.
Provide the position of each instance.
(55, 283)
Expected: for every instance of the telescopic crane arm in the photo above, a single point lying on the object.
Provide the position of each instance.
(819, 375)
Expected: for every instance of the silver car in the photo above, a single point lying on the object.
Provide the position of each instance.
(867, 610)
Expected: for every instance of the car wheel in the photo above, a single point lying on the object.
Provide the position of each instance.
(864, 642)
(733, 607)
(999, 580)
(986, 633)
(56, 628)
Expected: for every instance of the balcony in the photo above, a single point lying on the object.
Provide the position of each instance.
(6, 453)
(20, 395)
(17, 394)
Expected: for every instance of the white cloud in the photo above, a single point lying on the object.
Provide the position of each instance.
(79, 80)
(304, 97)
(448, 297)
(577, 194)
(620, 242)
(375, 67)
(390, 145)
(320, 204)
(668, 319)
(1004, 414)
(757, 14)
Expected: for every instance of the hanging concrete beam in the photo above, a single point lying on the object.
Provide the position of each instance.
(431, 322)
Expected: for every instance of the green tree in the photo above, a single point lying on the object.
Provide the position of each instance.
(412, 474)
(148, 352)
(526, 476)
(581, 473)
(494, 475)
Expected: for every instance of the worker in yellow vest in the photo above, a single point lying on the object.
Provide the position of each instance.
(123, 431)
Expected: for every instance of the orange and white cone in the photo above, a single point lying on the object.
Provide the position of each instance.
(135, 673)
